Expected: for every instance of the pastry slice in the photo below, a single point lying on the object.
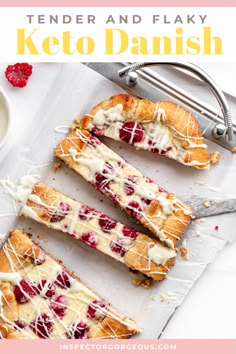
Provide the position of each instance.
(137, 251)
(159, 211)
(39, 298)
(163, 128)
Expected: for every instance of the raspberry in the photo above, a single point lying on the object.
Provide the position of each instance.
(42, 326)
(19, 324)
(97, 131)
(46, 289)
(135, 209)
(131, 133)
(58, 306)
(18, 74)
(78, 331)
(94, 141)
(62, 210)
(89, 238)
(106, 223)
(95, 310)
(85, 213)
(25, 291)
(128, 232)
(128, 189)
(101, 182)
(63, 280)
(117, 247)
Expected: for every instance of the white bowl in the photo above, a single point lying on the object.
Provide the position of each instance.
(5, 117)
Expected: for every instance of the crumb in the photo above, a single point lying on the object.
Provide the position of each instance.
(40, 237)
(184, 251)
(154, 298)
(139, 279)
(199, 221)
(145, 283)
(56, 166)
(233, 150)
(101, 200)
(167, 297)
(207, 204)
(215, 157)
(201, 183)
(216, 228)
(120, 147)
(59, 261)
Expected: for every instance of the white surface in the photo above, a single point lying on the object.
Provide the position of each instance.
(209, 310)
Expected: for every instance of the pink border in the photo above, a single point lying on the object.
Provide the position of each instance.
(116, 3)
(118, 346)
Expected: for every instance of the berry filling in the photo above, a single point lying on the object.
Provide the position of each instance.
(101, 182)
(128, 232)
(117, 247)
(96, 310)
(94, 141)
(63, 280)
(90, 238)
(78, 331)
(58, 306)
(19, 324)
(97, 131)
(61, 212)
(135, 209)
(47, 290)
(131, 133)
(42, 326)
(25, 291)
(128, 189)
(85, 213)
(106, 223)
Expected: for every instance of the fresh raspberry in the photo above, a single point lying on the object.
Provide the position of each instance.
(128, 232)
(25, 291)
(46, 289)
(58, 306)
(42, 326)
(96, 310)
(85, 213)
(117, 247)
(63, 280)
(128, 189)
(97, 131)
(131, 133)
(106, 223)
(78, 331)
(89, 238)
(18, 74)
(61, 212)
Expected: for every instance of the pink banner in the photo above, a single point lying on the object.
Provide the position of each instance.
(116, 346)
(120, 3)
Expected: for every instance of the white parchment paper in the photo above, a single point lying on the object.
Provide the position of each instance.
(75, 91)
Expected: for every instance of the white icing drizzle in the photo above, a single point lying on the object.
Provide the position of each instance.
(13, 278)
(160, 254)
(25, 187)
(162, 136)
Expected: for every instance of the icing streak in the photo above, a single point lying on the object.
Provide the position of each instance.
(50, 303)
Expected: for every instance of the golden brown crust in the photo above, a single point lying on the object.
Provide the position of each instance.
(137, 258)
(181, 123)
(111, 329)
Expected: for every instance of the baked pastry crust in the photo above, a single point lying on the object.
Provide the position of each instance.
(136, 250)
(158, 210)
(164, 128)
(82, 314)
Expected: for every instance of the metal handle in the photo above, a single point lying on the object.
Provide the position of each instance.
(217, 132)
